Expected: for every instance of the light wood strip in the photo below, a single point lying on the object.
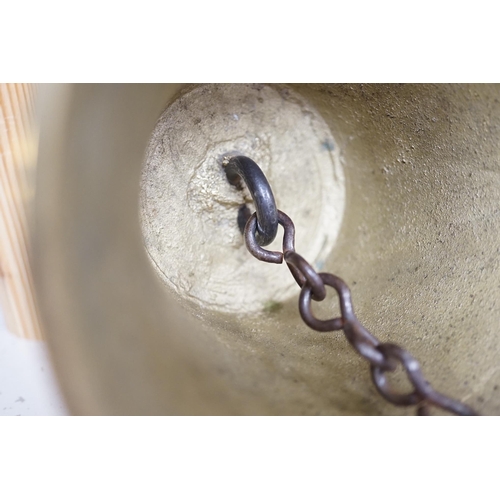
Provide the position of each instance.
(9, 286)
(17, 158)
(22, 127)
(14, 241)
(15, 309)
(15, 150)
(14, 238)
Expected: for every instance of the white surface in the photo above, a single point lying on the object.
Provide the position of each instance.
(27, 382)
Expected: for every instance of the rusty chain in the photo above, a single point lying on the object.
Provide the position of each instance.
(383, 357)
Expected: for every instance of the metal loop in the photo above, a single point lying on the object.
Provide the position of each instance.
(242, 168)
(360, 338)
(304, 273)
(306, 314)
(394, 353)
(346, 310)
(266, 255)
(423, 390)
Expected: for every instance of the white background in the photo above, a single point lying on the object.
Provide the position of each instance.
(27, 381)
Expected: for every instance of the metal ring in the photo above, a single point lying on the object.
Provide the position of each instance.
(305, 305)
(266, 255)
(423, 393)
(304, 273)
(363, 341)
(243, 168)
(412, 369)
(423, 390)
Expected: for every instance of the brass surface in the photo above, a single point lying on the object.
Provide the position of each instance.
(419, 247)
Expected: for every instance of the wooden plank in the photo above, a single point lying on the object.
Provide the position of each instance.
(18, 143)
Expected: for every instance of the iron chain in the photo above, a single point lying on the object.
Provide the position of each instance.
(383, 357)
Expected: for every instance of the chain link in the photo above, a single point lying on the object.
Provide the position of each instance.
(383, 357)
